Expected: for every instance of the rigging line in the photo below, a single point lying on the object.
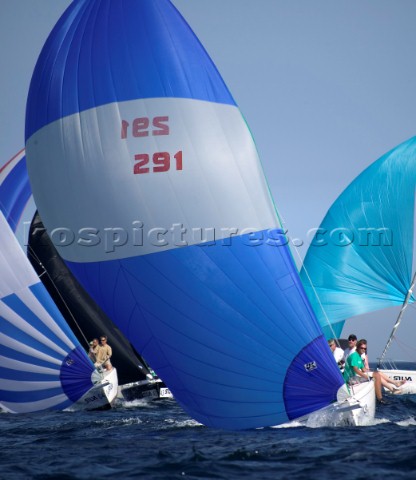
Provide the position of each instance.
(319, 300)
(405, 346)
(399, 318)
(32, 252)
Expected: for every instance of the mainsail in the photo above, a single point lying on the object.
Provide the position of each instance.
(361, 260)
(149, 184)
(42, 365)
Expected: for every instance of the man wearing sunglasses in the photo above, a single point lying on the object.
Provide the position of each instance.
(355, 372)
(104, 354)
(354, 366)
(352, 346)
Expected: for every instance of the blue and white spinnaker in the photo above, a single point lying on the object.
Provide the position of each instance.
(42, 365)
(148, 181)
(15, 191)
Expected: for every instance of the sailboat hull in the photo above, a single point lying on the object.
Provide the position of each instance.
(357, 409)
(409, 375)
(101, 396)
(364, 394)
(144, 390)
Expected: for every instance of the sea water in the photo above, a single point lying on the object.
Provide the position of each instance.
(158, 440)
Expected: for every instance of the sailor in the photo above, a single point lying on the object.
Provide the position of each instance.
(92, 352)
(104, 354)
(338, 353)
(355, 372)
(352, 345)
(354, 366)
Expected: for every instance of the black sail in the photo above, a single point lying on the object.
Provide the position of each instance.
(84, 316)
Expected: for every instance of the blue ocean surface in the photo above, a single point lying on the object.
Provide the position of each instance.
(159, 440)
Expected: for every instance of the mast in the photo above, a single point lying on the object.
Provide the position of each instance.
(399, 318)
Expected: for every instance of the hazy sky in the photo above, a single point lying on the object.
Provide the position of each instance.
(326, 87)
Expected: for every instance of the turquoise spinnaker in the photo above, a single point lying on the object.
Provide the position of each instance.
(361, 259)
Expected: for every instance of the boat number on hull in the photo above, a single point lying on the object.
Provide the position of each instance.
(99, 396)
(165, 392)
(158, 161)
(402, 377)
(150, 393)
(310, 366)
(109, 388)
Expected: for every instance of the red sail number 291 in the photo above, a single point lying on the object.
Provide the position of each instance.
(161, 162)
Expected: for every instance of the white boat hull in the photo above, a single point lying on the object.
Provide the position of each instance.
(409, 375)
(364, 394)
(102, 395)
(355, 409)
